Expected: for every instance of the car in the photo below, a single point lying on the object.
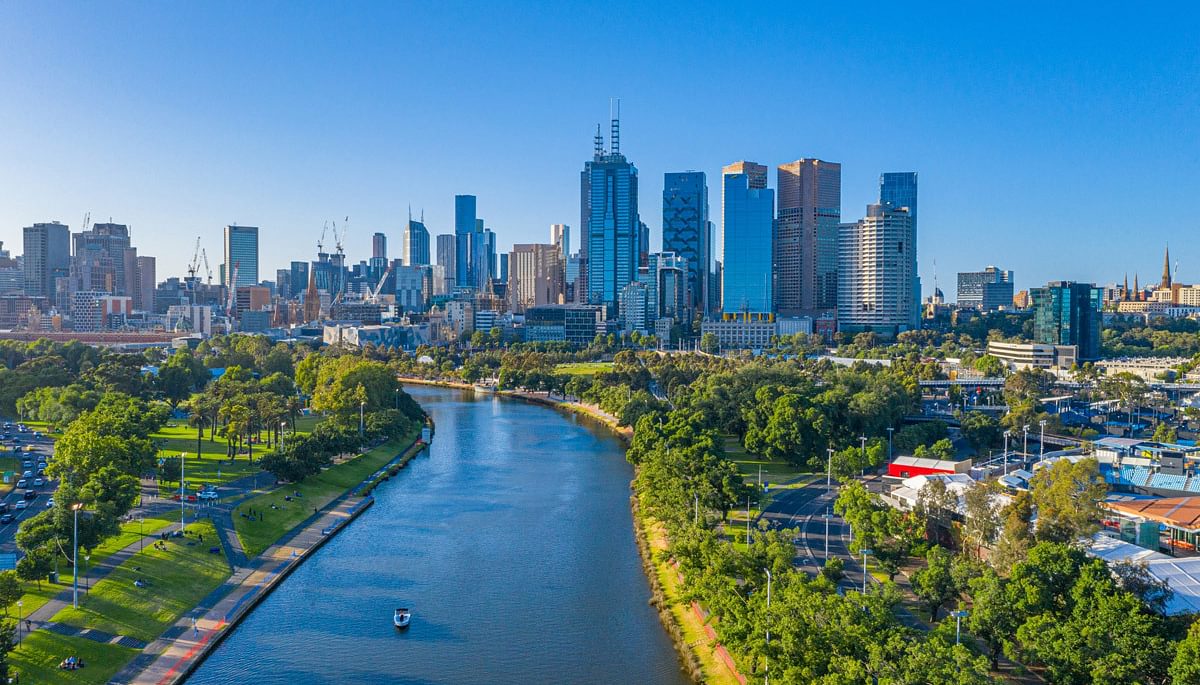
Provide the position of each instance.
(41, 472)
(27, 474)
(22, 483)
(6, 518)
(27, 464)
(38, 482)
(209, 494)
(49, 502)
(42, 464)
(30, 494)
(22, 504)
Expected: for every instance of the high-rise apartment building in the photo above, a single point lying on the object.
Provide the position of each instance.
(241, 256)
(1068, 313)
(47, 257)
(379, 246)
(535, 276)
(876, 262)
(104, 260)
(899, 189)
(465, 222)
(806, 236)
(611, 228)
(560, 235)
(444, 279)
(145, 284)
(748, 209)
(687, 231)
(416, 244)
(985, 290)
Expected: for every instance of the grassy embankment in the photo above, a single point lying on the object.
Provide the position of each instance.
(177, 579)
(584, 368)
(316, 492)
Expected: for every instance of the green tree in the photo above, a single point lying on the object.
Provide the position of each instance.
(1185, 668)
(10, 589)
(709, 344)
(934, 584)
(981, 430)
(1068, 497)
(1165, 432)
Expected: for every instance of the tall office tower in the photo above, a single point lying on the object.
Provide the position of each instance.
(899, 189)
(464, 231)
(574, 270)
(47, 257)
(103, 259)
(665, 278)
(609, 222)
(560, 235)
(535, 276)
(487, 259)
(447, 257)
(241, 255)
(283, 283)
(806, 236)
(986, 290)
(1068, 313)
(748, 209)
(379, 246)
(503, 273)
(416, 244)
(643, 244)
(876, 262)
(144, 284)
(299, 278)
(687, 231)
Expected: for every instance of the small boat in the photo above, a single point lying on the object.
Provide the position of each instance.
(402, 617)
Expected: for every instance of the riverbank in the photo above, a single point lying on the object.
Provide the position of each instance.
(680, 619)
(181, 649)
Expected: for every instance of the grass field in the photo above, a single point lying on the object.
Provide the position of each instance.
(584, 368)
(316, 492)
(212, 468)
(178, 579)
(38, 656)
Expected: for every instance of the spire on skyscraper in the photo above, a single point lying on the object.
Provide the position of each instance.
(598, 143)
(615, 139)
(1166, 275)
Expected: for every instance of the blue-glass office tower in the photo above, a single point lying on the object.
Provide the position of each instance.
(416, 244)
(464, 232)
(610, 224)
(748, 236)
(1068, 313)
(687, 231)
(899, 189)
(299, 277)
(241, 251)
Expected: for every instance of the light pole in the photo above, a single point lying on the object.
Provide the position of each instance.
(958, 617)
(863, 438)
(865, 552)
(747, 522)
(20, 616)
(141, 533)
(1042, 440)
(182, 492)
(1005, 457)
(1025, 445)
(396, 393)
(890, 430)
(361, 408)
(767, 671)
(87, 564)
(282, 428)
(75, 558)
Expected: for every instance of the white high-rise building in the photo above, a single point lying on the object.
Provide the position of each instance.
(560, 236)
(877, 262)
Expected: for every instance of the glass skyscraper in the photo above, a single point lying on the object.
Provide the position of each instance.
(47, 257)
(241, 251)
(1067, 313)
(687, 231)
(610, 223)
(899, 189)
(748, 208)
(464, 231)
(416, 244)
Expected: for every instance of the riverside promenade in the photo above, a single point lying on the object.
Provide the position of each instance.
(180, 649)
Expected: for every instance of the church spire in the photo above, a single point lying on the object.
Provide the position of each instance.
(1166, 277)
(1125, 291)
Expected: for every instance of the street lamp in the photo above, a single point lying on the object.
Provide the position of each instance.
(20, 616)
(75, 558)
(141, 533)
(767, 671)
(865, 552)
(1005, 457)
(890, 429)
(362, 405)
(282, 429)
(863, 438)
(1042, 440)
(182, 492)
(1025, 445)
(396, 392)
(958, 617)
(87, 563)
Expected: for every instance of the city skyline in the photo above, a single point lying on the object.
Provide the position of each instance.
(977, 114)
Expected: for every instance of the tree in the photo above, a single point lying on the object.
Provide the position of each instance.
(1165, 432)
(981, 430)
(8, 632)
(1185, 669)
(935, 585)
(1068, 497)
(989, 366)
(982, 518)
(993, 617)
(1016, 533)
(10, 589)
(709, 343)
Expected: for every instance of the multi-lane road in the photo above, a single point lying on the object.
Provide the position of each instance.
(43, 451)
(808, 510)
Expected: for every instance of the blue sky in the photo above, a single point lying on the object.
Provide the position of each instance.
(1060, 141)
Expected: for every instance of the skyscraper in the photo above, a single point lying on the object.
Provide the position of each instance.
(560, 235)
(416, 244)
(609, 221)
(876, 261)
(241, 255)
(899, 189)
(379, 246)
(299, 278)
(806, 236)
(447, 252)
(535, 276)
(144, 284)
(687, 231)
(47, 257)
(748, 208)
(987, 290)
(104, 260)
(464, 231)
(1068, 313)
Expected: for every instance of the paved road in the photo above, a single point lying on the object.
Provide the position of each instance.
(43, 451)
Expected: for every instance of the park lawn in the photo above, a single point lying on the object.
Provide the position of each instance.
(37, 594)
(179, 578)
(40, 652)
(316, 492)
(583, 368)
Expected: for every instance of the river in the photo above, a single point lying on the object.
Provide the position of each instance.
(512, 542)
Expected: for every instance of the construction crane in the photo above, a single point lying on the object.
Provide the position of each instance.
(194, 265)
(321, 240)
(375, 293)
(207, 268)
(87, 220)
(233, 291)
